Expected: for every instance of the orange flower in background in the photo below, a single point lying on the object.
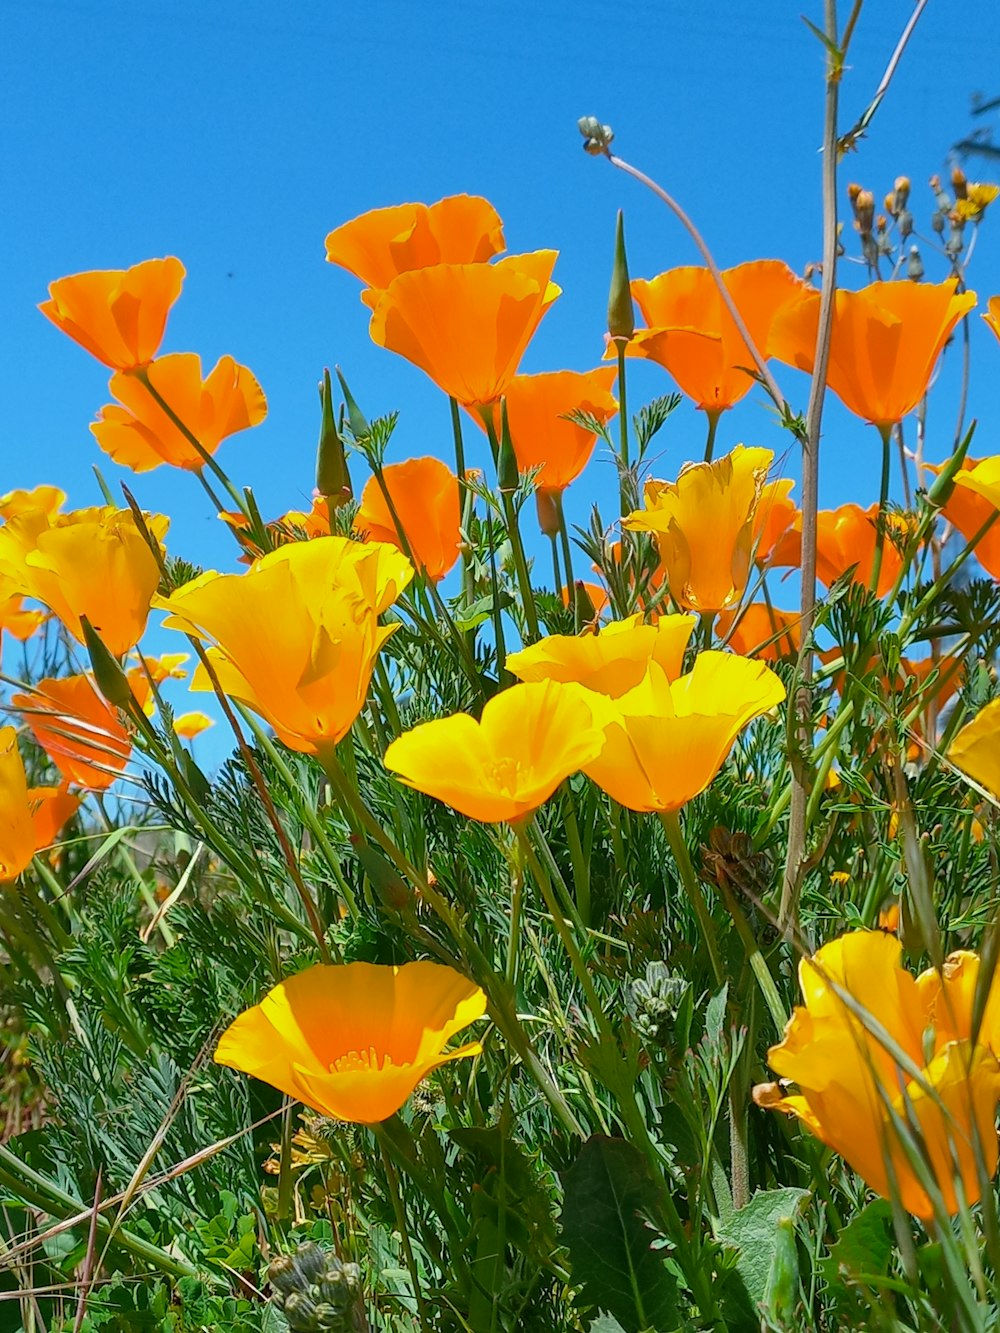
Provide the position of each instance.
(846, 539)
(537, 406)
(118, 315)
(353, 1040)
(704, 524)
(87, 562)
(777, 529)
(15, 618)
(885, 343)
(51, 810)
(596, 594)
(377, 246)
(665, 741)
(77, 729)
(976, 749)
(613, 660)
(314, 522)
(296, 637)
(974, 500)
(17, 833)
(992, 315)
(139, 434)
(529, 740)
(693, 336)
(190, 725)
(763, 631)
(855, 1096)
(424, 495)
(466, 325)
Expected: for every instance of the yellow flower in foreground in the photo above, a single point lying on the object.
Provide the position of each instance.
(296, 636)
(857, 1097)
(353, 1041)
(531, 738)
(87, 562)
(976, 748)
(664, 741)
(613, 660)
(704, 526)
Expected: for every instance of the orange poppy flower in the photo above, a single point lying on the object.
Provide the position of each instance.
(353, 1040)
(704, 523)
(314, 522)
(529, 740)
(885, 343)
(190, 725)
(17, 832)
(78, 729)
(46, 499)
(763, 631)
(87, 562)
(424, 495)
(139, 434)
(118, 315)
(466, 325)
(693, 336)
(777, 529)
(537, 407)
(597, 594)
(854, 1095)
(377, 246)
(992, 314)
(15, 619)
(51, 810)
(613, 660)
(846, 538)
(296, 637)
(665, 741)
(974, 499)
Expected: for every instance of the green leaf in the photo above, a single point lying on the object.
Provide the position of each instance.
(863, 1247)
(608, 1195)
(752, 1231)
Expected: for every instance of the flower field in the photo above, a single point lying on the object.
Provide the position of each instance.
(591, 920)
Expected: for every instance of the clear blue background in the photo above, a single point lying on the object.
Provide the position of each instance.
(237, 135)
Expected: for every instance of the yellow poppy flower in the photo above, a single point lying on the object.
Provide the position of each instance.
(665, 741)
(613, 660)
(976, 748)
(530, 738)
(296, 636)
(704, 526)
(854, 1094)
(190, 725)
(353, 1041)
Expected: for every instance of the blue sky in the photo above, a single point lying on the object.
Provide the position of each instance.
(237, 135)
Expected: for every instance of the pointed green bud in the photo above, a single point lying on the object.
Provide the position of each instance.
(507, 474)
(583, 604)
(940, 493)
(356, 419)
(111, 679)
(196, 780)
(621, 314)
(332, 476)
(392, 891)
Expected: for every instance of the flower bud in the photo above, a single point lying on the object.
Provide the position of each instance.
(596, 137)
(914, 265)
(902, 191)
(654, 1001)
(111, 679)
(356, 419)
(332, 477)
(507, 474)
(853, 190)
(904, 221)
(621, 313)
(547, 508)
(391, 890)
(958, 182)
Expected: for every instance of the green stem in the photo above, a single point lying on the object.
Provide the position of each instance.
(581, 868)
(567, 554)
(620, 345)
(883, 503)
(692, 886)
(713, 426)
(392, 1180)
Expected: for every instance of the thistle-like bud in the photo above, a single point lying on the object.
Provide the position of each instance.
(653, 1002)
(914, 265)
(889, 204)
(955, 243)
(937, 222)
(596, 137)
(904, 221)
(941, 196)
(507, 473)
(902, 191)
(332, 476)
(853, 190)
(959, 182)
(111, 679)
(316, 1292)
(621, 313)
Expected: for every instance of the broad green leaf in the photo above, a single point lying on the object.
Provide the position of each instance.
(752, 1231)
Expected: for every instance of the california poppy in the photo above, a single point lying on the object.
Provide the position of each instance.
(543, 438)
(856, 1096)
(885, 343)
(424, 495)
(139, 434)
(992, 315)
(503, 767)
(777, 529)
(613, 660)
(846, 539)
(973, 501)
(77, 729)
(17, 833)
(760, 630)
(692, 334)
(976, 748)
(704, 524)
(377, 246)
(86, 562)
(51, 809)
(296, 637)
(665, 741)
(466, 325)
(190, 725)
(46, 499)
(118, 315)
(353, 1040)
